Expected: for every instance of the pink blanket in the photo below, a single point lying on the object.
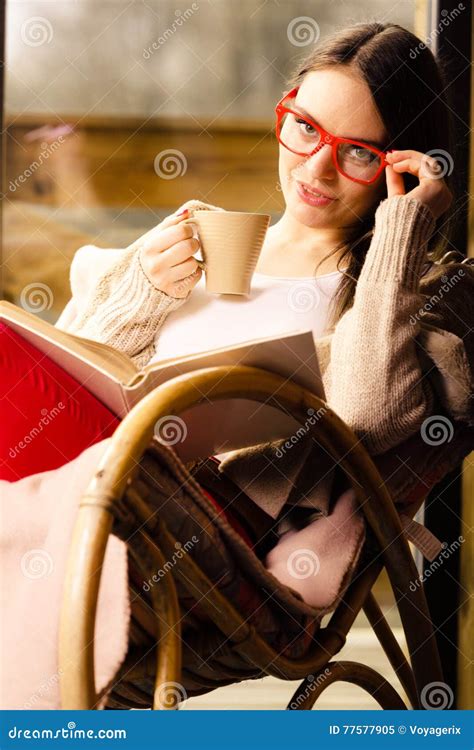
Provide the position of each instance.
(38, 515)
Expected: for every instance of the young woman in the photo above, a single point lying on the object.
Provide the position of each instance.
(367, 209)
(363, 84)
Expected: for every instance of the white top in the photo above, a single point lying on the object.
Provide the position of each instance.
(275, 305)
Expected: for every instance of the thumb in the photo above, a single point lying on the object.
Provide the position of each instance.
(395, 184)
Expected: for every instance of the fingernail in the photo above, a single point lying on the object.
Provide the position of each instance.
(185, 211)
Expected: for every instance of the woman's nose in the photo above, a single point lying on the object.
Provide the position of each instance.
(321, 163)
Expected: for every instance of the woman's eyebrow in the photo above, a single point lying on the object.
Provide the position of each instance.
(377, 144)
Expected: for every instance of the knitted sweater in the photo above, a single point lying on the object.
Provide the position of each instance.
(370, 363)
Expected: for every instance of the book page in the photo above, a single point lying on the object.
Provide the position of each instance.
(212, 427)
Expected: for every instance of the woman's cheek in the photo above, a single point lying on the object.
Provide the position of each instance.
(287, 167)
(360, 201)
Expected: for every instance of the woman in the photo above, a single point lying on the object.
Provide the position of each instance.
(365, 217)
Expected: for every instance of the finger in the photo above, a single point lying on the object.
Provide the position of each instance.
(395, 184)
(179, 252)
(407, 165)
(182, 287)
(179, 215)
(424, 168)
(169, 221)
(182, 270)
(166, 238)
(408, 153)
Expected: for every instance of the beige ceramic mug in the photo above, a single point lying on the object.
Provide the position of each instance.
(231, 242)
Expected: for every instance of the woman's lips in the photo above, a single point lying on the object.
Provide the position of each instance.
(310, 197)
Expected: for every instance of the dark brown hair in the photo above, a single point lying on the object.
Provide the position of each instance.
(407, 86)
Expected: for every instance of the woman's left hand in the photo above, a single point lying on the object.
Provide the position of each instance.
(432, 190)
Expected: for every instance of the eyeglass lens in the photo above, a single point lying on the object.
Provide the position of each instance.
(355, 161)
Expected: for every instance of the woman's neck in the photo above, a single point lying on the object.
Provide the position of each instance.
(293, 249)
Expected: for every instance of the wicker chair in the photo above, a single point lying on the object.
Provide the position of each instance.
(115, 486)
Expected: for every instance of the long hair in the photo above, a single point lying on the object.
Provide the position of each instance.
(407, 86)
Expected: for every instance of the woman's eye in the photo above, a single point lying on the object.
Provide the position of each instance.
(362, 154)
(308, 129)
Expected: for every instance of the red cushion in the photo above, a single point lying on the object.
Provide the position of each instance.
(47, 417)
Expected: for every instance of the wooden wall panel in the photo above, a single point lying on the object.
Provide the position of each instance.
(112, 164)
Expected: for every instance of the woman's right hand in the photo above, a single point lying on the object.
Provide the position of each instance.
(166, 255)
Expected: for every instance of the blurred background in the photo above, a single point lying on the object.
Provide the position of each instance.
(118, 111)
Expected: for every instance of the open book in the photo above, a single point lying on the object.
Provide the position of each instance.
(211, 428)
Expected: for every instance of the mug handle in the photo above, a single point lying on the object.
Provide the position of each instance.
(200, 263)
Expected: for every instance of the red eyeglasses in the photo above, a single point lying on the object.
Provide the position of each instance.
(356, 160)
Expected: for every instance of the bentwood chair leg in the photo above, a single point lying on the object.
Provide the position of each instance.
(149, 559)
(346, 671)
(167, 694)
(392, 648)
(414, 614)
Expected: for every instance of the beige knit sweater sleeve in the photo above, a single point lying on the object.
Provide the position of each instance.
(114, 302)
(118, 306)
(374, 380)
